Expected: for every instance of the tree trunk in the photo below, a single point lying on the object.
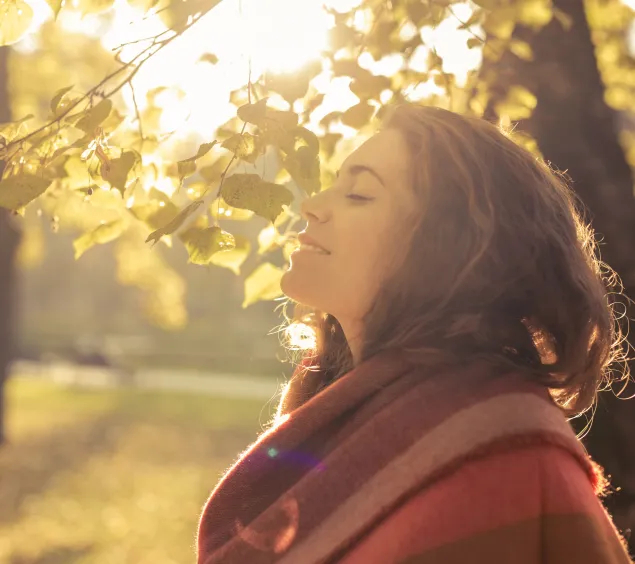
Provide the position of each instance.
(9, 238)
(578, 133)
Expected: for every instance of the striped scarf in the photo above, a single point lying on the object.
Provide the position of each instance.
(327, 473)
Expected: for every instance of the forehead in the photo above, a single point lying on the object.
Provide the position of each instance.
(387, 153)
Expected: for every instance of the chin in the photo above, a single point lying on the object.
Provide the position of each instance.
(296, 289)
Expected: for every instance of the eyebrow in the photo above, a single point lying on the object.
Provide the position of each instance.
(358, 169)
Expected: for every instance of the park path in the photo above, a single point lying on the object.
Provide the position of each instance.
(213, 383)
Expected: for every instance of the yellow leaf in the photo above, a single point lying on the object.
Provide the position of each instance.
(263, 284)
(175, 223)
(234, 258)
(518, 104)
(535, 13)
(95, 116)
(304, 167)
(202, 244)
(188, 166)
(156, 213)
(208, 58)
(369, 86)
(117, 171)
(244, 146)
(102, 234)
(222, 210)
(15, 19)
(358, 116)
(93, 6)
(10, 130)
(56, 6)
(293, 85)
(18, 190)
(328, 143)
(566, 21)
(254, 113)
(521, 49)
(267, 239)
(500, 22)
(249, 191)
(213, 172)
(55, 102)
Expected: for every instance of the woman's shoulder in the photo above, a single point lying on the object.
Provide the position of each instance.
(516, 497)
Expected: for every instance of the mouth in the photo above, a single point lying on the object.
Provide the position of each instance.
(307, 243)
(307, 248)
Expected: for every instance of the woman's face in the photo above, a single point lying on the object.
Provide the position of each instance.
(361, 221)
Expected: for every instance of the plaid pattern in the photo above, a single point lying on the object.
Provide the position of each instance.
(338, 468)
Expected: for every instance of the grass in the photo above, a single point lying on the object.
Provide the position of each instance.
(113, 477)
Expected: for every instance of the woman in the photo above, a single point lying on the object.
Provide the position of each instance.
(461, 317)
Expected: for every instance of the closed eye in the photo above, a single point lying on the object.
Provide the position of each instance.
(357, 197)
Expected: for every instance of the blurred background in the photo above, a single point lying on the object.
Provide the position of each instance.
(131, 378)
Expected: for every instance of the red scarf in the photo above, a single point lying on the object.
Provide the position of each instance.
(320, 479)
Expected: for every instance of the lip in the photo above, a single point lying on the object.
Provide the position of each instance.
(307, 240)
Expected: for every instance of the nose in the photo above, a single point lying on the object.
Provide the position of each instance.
(313, 208)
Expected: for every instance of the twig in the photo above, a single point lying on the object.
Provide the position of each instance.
(469, 29)
(136, 107)
(94, 90)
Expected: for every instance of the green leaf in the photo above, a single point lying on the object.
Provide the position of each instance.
(10, 130)
(267, 239)
(245, 146)
(56, 6)
(435, 62)
(156, 213)
(102, 234)
(93, 6)
(175, 223)
(202, 244)
(94, 117)
(475, 18)
(263, 284)
(187, 167)
(208, 58)
(249, 191)
(566, 21)
(116, 173)
(358, 116)
(309, 138)
(286, 119)
(293, 85)
(535, 13)
(518, 104)
(521, 49)
(18, 190)
(55, 102)
(501, 22)
(328, 143)
(254, 113)
(369, 86)
(304, 167)
(15, 19)
(212, 173)
(234, 258)
(330, 118)
(489, 4)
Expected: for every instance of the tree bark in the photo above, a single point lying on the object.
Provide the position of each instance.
(9, 238)
(578, 133)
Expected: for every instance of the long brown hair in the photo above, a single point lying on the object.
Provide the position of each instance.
(500, 265)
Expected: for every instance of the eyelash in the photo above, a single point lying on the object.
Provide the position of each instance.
(357, 197)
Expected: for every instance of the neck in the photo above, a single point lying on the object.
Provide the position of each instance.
(353, 333)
